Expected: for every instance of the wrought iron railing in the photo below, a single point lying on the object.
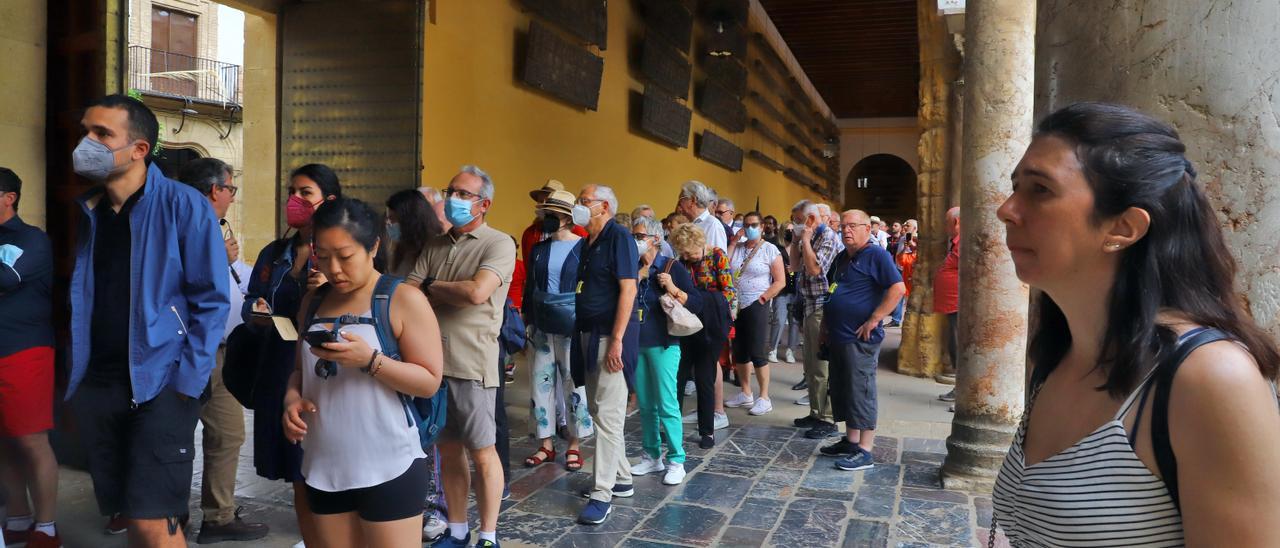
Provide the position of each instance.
(183, 76)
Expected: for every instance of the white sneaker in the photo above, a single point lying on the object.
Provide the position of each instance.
(790, 357)
(721, 422)
(647, 466)
(762, 406)
(691, 418)
(433, 527)
(740, 400)
(675, 474)
(804, 400)
(773, 356)
(689, 388)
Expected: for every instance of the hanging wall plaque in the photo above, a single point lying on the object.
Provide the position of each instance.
(562, 69)
(718, 150)
(663, 117)
(669, 20)
(664, 67)
(585, 19)
(721, 106)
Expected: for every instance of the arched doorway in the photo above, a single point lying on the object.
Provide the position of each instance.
(883, 185)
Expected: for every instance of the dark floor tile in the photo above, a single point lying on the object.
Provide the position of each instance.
(882, 475)
(924, 445)
(935, 494)
(846, 496)
(641, 543)
(650, 492)
(875, 502)
(921, 457)
(921, 475)
(811, 522)
(758, 513)
(535, 479)
(751, 447)
(866, 534)
(983, 507)
(739, 536)
(714, 490)
(824, 475)
(737, 465)
(766, 433)
(777, 483)
(882, 454)
(682, 523)
(554, 503)
(533, 529)
(621, 522)
(797, 453)
(888, 441)
(933, 522)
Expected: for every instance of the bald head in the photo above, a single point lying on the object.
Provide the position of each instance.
(855, 229)
(953, 221)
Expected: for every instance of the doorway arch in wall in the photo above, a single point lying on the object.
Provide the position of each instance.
(883, 185)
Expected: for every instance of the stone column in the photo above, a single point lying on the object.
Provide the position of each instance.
(1210, 70)
(923, 344)
(999, 63)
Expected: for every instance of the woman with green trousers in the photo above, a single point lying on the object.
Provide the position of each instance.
(655, 381)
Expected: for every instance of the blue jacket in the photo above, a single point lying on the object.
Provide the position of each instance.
(179, 289)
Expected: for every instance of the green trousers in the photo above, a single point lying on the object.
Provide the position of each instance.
(655, 386)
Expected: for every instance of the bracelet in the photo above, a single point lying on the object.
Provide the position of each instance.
(376, 368)
(371, 358)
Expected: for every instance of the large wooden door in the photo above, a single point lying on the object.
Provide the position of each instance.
(173, 48)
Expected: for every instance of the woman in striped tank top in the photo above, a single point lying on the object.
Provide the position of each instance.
(1114, 449)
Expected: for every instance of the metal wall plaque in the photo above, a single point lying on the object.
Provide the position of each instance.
(586, 19)
(768, 107)
(718, 150)
(669, 20)
(728, 11)
(728, 72)
(796, 109)
(562, 69)
(797, 176)
(726, 40)
(802, 138)
(764, 130)
(664, 67)
(663, 117)
(766, 160)
(798, 155)
(722, 107)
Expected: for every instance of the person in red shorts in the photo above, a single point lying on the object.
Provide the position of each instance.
(26, 374)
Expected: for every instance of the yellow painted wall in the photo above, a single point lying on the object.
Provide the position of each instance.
(475, 110)
(258, 208)
(22, 123)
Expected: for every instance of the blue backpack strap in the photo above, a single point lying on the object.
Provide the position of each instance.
(317, 297)
(381, 308)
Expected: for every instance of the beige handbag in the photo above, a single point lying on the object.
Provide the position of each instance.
(680, 322)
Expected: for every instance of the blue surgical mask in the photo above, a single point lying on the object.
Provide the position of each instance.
(94, 160)
(458, 211)
(393, 231)
(753, 233)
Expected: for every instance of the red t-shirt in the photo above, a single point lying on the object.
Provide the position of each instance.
(946, 285)
(516, 291)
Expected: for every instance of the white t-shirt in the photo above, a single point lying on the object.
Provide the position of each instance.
(714, 231)
(238, 291)
(753, 280)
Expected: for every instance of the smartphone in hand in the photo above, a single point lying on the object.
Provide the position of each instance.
(318, 338)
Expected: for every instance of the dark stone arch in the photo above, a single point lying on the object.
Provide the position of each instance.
(889, 189)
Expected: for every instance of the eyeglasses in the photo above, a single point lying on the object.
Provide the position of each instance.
(588, 201)
(850, 226)
(465, 195)
(725, 212)
(640, 236)
(233, 189)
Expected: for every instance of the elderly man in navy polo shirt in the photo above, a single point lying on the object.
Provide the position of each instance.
(865, 288)
(606, 347)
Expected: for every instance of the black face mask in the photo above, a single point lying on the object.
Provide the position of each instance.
(550, 224)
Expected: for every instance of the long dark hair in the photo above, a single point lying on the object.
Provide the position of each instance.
(323, 176)
(418, 223)
(359, 220)
(1133, 160)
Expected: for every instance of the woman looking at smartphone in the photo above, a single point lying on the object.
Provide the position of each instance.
(282, 273)
(366, 473)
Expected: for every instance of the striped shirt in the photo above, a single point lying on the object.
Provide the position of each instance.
(1094, 493)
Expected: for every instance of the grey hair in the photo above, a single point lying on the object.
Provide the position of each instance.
(651, 227)
(606, 193)
(823, 209)
(432, 194)
(638, 211)
(728, 202)
(486, 182)
(701, 194)
(801, 205)
(813, 209)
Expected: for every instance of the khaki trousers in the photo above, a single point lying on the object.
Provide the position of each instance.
(815, 370)
(607, 401)
(223, 419)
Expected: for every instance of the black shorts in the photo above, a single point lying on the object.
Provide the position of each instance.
(139, 458)
(394, 500)
(750, 331)
(852, 383)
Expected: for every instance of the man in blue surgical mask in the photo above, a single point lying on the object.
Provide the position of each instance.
(149, 302)
(464, 272)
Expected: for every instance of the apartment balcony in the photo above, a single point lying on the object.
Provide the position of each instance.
(183, 77)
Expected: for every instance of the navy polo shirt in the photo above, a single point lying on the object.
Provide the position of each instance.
(26, 278)
(860, 284)
(653, 320)
(612, 257)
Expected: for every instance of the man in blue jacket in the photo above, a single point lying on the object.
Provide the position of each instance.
(148, 306)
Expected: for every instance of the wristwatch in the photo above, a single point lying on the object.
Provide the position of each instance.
(426, 285)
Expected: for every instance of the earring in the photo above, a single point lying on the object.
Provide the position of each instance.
(1113, 246)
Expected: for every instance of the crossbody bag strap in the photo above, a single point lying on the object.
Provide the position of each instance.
(738, 273)
(1160, 445)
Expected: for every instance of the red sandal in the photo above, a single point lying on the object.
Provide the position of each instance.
(575, 464)
(537, 457)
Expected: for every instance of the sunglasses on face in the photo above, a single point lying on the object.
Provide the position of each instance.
(640, 236)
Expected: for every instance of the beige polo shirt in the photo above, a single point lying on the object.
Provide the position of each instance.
(469, 333)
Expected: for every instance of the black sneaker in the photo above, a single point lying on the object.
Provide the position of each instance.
(802, 385)
(235, 530)
(807, 421)
(839, 448)
(707, 442)
(822, 430)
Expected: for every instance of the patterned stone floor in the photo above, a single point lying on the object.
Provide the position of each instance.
(763, 484)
